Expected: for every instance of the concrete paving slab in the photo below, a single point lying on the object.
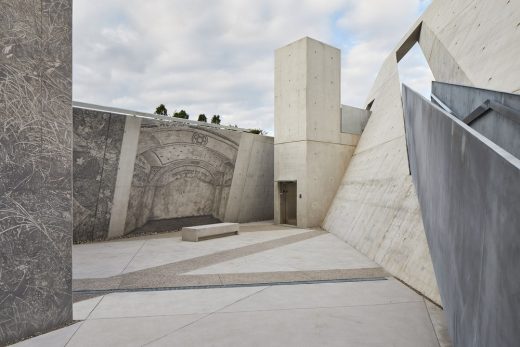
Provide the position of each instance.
(55, 338)
(81, 310)
(102, 259)
(157, 303)
(107, 259)
(404, 324)
(127, 331)
(323, 252)
(327, 295)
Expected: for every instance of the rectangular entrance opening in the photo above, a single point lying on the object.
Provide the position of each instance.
(287, 202)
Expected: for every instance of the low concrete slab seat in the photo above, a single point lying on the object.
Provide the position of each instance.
(204, 232)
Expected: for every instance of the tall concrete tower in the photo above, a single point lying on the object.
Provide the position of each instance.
(311, 154)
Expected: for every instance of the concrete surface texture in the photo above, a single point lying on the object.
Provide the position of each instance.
(35, 167)
(329, 295)
(98, 138)
(130, 170)
(309, 146)
(376, 207)
(468, 189)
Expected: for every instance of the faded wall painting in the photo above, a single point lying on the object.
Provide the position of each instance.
(181, 171)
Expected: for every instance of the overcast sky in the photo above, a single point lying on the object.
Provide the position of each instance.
(217, 57)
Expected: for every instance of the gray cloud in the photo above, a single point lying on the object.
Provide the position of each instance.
(217, 56)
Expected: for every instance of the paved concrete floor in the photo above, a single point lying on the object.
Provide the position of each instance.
(269, 286)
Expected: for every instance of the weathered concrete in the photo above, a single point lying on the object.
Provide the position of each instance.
(35, 167)
(469, 190)
(309, 146)
(98, 138)
(202, 232)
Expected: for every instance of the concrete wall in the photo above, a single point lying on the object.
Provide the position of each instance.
(251, 193)
(353, 119)
(309, 146)
(35, 167)
(129, 170)
(376, 208)
(98, 137)
(469, 190)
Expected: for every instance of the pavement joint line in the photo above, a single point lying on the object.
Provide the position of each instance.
(235, 285)
(205, 316)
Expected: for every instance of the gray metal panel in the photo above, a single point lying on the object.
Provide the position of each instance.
(353, 119)
(500, 119)
(469, 193)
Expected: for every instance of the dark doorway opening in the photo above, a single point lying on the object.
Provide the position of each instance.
(288, 203)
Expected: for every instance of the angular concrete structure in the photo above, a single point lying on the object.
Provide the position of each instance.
(469, 192)
(35, 167)
(311, 152)
(376, 207)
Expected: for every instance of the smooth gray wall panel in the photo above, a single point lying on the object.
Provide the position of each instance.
(499, 128)
(97, 147)
(35, 167)
(469, 193)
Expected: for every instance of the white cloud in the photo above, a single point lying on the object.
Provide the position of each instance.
(216, 57)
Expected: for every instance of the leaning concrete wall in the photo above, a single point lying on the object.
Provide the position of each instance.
(181, 169)
(251, 193)
(376, 208)
(35, 167)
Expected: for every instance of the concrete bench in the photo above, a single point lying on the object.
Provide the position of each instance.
(204, 232)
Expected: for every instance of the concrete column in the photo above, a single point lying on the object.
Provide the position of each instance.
(309, 146)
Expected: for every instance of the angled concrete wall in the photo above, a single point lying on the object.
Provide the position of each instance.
(469, 192)
(35, 167)
(376, 208)
(129, 170)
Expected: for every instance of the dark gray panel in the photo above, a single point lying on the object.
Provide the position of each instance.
(97, 147)
(497, 126)
(35, 167)
(469, 193)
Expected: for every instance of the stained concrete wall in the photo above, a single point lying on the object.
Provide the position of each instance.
(376, 208)
(98, 138)
(469, 190)
(309, 145)
(129, 170)
(35, 167)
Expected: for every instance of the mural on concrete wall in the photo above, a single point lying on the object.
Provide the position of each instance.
(97, 146)
(35, 167)
(181, 171)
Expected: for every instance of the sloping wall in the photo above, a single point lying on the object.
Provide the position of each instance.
(376, 208)
(35, 167)
(181, 169)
